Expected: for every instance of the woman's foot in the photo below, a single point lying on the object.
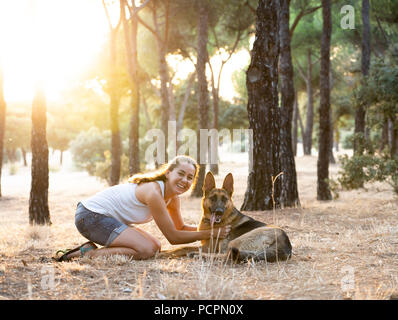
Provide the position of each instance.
(76, 252)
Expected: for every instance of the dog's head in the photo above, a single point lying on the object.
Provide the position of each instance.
(217, 203)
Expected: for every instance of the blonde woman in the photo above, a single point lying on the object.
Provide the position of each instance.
(109, 218)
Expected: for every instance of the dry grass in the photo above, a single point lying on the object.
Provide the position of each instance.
(345, 248)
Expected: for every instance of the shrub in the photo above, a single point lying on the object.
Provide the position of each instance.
(359, 169)
(89, 147)
(102, 169)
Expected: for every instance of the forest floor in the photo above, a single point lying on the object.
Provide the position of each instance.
(342, 249)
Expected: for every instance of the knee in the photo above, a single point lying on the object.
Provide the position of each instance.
(149, 250)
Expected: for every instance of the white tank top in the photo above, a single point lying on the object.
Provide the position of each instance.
(120, 202)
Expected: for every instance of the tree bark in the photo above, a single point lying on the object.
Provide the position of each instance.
(289, 193)
(25, 162)
(307, 142)
(3, 107)
(323, 191)
(394, 136)
(263, 111)
(384, 133)
(203, 96)
(332, 160)
(116, 144)
(300, 121)
(38, 201)
(295, 125)
(215, 94)
(360, 112)
(164, 75)
(132, 65)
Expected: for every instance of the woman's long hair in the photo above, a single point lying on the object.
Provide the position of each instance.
(160, 174)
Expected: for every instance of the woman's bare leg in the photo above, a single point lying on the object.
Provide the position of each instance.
(131, 242)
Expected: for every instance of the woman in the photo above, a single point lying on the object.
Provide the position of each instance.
(107, 217)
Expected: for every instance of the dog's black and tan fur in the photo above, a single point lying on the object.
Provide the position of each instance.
(248, 238)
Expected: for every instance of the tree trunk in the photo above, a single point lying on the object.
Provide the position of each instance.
(384, 133)
(295, 124)
(215, 94)
(25, 163)
(2, 121)
(394, 136)
(332, 160)
(38, 202)
(263, 111)
(147, 118)
(337, 138)
(302, 130)
(365, 64)
(323, 191)
(184, 104)
(130, 40)
(203, 98)
(164, 78)
(116, 144)
(289, 193)
(307, 142)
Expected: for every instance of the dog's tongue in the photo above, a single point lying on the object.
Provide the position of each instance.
(212, 219)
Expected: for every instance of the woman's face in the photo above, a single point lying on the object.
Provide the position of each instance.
(180, 178)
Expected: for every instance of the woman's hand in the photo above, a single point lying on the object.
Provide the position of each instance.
(221, 233)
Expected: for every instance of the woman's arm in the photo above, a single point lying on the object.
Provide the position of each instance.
(174, 209)
(158, 209)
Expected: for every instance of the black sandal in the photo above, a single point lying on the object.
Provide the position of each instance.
(65, 253)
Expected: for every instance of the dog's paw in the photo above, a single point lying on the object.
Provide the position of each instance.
(193, 254)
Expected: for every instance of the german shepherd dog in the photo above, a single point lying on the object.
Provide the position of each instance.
(248, 238)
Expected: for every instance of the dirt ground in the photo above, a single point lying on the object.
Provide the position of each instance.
(342, 249)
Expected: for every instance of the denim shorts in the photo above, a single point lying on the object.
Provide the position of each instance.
(97, 227)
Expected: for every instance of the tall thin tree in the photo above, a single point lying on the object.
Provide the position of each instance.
(263, 110)
(116, 143)
(39, 212)
(289, 193)
(365, 64)
(203, 94)
(323, 190)
(130, 30)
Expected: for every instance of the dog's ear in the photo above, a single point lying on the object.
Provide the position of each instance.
(228, 184)
(209, 184)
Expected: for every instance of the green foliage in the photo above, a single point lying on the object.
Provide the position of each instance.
(239, 84)
(233, 116)
(102, 169)
(360, 169)
(17, 134)
(89, 147)
(91, 152)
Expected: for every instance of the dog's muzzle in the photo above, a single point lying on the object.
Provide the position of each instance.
(216, 216)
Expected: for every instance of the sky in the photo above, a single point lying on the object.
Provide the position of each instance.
(54, 40)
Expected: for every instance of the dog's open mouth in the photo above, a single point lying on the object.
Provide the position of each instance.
(214, 219)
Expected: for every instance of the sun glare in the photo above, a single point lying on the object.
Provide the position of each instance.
(47, 40)
(53, 41)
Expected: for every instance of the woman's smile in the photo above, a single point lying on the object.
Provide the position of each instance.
(181, 178)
